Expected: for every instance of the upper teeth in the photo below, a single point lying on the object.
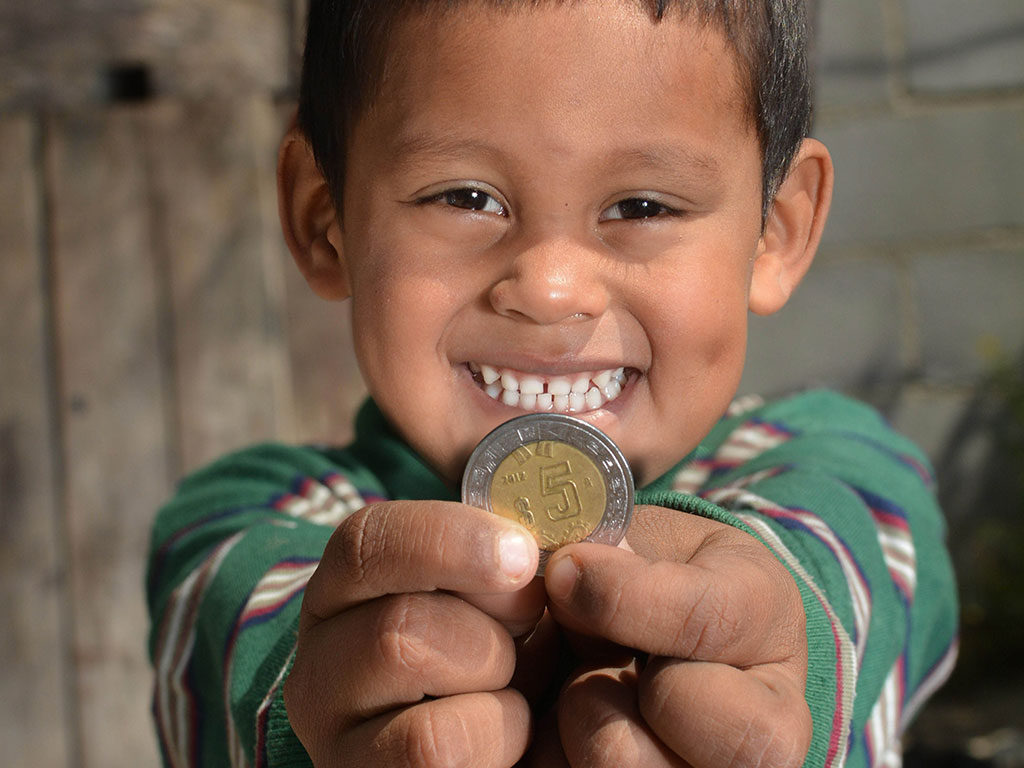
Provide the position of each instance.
(575, 393)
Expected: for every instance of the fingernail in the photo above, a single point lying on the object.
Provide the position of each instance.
(560, 576)
(514, 554)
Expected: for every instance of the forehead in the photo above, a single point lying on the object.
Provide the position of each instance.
(566, 71)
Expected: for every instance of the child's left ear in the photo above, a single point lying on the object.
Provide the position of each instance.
(793, 229)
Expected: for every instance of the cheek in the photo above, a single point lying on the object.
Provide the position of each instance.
(704, 314)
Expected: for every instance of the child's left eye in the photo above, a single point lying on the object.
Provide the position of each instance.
(637, 208)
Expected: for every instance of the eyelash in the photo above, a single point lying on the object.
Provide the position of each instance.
(448, 197)
(659, 209)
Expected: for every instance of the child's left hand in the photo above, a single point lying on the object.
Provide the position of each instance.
(723, 622)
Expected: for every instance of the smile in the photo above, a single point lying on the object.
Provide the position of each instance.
(573, 393)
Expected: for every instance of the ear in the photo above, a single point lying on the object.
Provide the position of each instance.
(793, 229)
(309, 220)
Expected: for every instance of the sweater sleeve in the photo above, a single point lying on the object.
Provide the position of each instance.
(848, 507)
(230, 557)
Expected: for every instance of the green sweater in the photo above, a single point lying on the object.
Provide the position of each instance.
(845, 503)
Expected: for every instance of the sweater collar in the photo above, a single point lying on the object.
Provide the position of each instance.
(402, 472)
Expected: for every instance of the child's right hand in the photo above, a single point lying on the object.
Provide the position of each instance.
(392, 668)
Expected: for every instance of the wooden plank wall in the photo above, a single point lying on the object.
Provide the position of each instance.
(150, 319)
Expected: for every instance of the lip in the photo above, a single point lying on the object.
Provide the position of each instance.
(561, 367)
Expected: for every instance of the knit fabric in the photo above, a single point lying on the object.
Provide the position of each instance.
(841, 500)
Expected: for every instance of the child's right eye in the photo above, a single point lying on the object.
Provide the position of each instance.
(469, 199)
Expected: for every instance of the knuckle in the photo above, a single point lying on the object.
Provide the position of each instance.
(402, 634)
(611, 609)
(655, 692)
(710, 627)
(354, 558)
(613, 742)
(608, 601)
(780, 740)
(309, 722)
(433, 739)
(786, 608)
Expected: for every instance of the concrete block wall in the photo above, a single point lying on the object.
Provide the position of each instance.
(916, 301)
(919, 282)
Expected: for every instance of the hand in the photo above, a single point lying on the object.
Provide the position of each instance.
(725, 627)
(394, 669)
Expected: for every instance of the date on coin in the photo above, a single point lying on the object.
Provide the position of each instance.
(558, 476)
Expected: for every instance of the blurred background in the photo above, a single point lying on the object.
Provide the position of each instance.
(150, 319)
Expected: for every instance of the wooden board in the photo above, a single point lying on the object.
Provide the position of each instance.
(297, 34)
(326, 385)
(113, 409)
(34, 711)
(60, 52)
(217, 236)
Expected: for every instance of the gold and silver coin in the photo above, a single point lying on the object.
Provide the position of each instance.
(558, 476)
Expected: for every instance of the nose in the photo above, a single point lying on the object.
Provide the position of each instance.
(552, 281)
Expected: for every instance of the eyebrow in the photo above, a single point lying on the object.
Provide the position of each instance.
(657, 157)
(436, 147)
(651, 157)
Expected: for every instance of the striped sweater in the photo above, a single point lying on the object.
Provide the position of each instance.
(846, 504)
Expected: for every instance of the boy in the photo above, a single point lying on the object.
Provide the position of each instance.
(517, 197)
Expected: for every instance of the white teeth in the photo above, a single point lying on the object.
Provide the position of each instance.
(529, 385)
(576, 393)
(612, 389)
(490, 375)
(560, 386)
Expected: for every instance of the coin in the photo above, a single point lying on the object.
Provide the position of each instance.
(558, 476)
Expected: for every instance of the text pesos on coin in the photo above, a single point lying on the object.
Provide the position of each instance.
(553, 489)
(558, 476)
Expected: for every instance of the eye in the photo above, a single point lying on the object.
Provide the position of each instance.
(470, 199)
(638, 208)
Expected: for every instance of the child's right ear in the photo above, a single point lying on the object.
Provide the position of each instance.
(309, 220)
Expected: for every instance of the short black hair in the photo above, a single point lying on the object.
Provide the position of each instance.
(346, 41)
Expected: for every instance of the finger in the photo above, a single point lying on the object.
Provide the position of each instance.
(716, 715)
(418, 546)
(655, 533)
(489, 730)
(601, 725)
(537, 658)
(393, 652)
(732, 607)
(517, 611)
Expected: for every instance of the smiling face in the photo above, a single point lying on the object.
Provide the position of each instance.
(556, 209)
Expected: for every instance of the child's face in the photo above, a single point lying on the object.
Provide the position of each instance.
(556, 192)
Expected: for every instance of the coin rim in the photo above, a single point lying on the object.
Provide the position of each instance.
(506, 437)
